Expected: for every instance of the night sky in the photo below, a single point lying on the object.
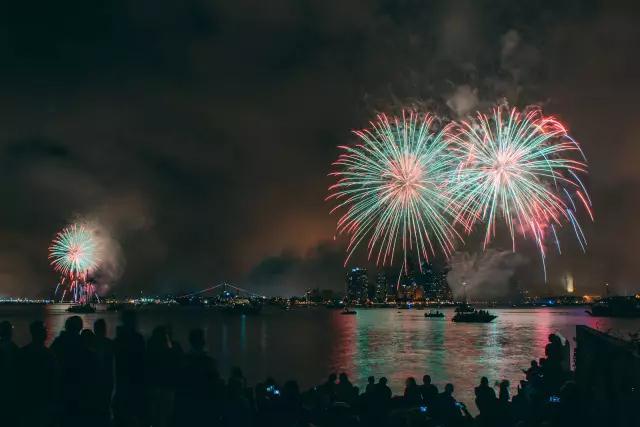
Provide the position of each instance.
(200, 134)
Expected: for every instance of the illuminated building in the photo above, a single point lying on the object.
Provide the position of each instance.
(436, 287)
(357, 285)
(382, 287)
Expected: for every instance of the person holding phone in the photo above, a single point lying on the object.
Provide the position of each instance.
(448, 410)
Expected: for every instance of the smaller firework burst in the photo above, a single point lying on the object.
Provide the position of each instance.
(75, 254)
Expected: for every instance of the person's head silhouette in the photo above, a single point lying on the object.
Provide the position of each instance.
(38, 332)
(100, 328)
(484, 381)
(426, 379)
(73, 325)
(448, 389)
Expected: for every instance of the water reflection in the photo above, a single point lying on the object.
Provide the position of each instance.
(345, 349)
(309, 344)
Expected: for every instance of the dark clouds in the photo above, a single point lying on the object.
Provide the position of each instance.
(290, 274)
(201, 132)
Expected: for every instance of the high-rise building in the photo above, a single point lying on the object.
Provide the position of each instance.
(436, 287)
(382, 286)
(357, 285)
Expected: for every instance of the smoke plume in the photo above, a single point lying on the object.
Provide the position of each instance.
(486, 274)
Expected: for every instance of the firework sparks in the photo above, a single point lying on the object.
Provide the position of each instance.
(74, 253)
(520, 167)
(392, 184)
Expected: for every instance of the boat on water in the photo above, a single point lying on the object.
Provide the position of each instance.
(348, 311)
(467, 314)
(81, 309)
(434, 314)
(616, 306)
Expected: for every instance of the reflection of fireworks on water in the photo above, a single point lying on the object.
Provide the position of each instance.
(522, 168)
(392, 186)
(75, 254)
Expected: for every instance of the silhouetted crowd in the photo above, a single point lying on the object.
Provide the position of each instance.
(88, 379)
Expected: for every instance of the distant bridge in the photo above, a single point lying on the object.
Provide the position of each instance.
(221, 288)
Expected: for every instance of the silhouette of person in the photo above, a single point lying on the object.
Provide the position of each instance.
(89, 403)
(533, 371)
(521, 403)
(569, 412)
(8, 349)
(565, 362)
(327, 390)
(369, 402)
(412, 396)
(553, 350)
(448, 411)
(382, 400)
(163, 363)
(345, 391)
(371, 385)
(293, 413)
(129, 352)
(37, 370)
(199, 378)
(383, 390)
(504, 416)
(8, 356)
(428, 391)
(485, 398)
(238, 376)
(237, 407)
(71, 354)
(103, 347)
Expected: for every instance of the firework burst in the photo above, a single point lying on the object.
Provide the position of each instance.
(75, 253)
(392, 188)
(521, 167)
